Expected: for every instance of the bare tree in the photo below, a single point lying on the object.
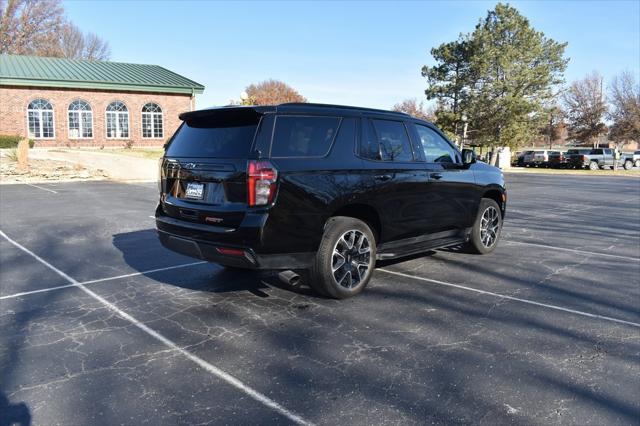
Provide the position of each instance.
(585, 109)
(625, 114)
(272, 92)
(415, 108)
(74, 44)
(95, 48)
(71, 41)
(30, 27)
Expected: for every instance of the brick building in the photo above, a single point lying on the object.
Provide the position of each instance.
(68, 102)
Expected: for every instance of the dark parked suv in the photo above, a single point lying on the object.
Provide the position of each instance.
(321, 188)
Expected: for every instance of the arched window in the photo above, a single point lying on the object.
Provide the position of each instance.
(152, 126)
(40, 119)
(80, 120)
(117, 120)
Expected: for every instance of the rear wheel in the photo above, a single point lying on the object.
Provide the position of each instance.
(637, 163)
(628, 165)
(486, 229)
(594, 165)
(345, 260)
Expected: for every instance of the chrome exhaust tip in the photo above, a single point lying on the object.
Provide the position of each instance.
(289, 278)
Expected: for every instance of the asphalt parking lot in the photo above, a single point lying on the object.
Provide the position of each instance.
(101, 325)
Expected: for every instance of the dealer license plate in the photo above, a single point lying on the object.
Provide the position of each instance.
(195, 191)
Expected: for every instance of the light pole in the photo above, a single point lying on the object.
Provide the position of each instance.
(464, 130)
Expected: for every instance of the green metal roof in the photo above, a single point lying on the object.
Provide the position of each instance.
(18, 70)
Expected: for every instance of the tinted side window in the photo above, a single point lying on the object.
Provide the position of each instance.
(394, 141)
(346, 133)
(299, 136)
(596, 152)
(369, 146)
(436, 149)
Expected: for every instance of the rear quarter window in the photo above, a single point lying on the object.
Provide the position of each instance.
(303, 136)
(394, 141)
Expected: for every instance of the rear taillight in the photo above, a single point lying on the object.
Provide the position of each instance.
(261, 182)
(582, 158)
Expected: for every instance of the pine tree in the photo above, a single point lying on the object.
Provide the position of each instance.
(516, 70)
(448, 82)
(502, 76)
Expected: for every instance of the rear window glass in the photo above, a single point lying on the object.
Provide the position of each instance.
(204, 138)
(297, 136)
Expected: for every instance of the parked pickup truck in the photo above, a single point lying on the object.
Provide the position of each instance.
(574, 158)
(599, 158)
(535, 158)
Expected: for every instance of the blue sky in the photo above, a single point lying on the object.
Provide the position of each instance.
(354, 53)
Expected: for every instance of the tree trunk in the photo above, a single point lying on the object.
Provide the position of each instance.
(493, 157)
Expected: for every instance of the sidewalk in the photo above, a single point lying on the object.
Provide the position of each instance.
(116, 166)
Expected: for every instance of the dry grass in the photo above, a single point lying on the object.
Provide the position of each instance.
(149, 153)
(12, 155)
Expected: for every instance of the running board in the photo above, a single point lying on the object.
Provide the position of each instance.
(420, 247)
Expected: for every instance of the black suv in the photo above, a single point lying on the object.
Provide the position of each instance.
(321, 188)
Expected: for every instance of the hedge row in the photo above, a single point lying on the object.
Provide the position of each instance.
(11, 141)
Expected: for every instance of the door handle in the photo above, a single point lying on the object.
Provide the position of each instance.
(435, 176)
(383, 178)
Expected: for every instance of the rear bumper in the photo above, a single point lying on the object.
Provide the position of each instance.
(208, 243)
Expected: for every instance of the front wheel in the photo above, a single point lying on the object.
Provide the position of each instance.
(345, 259)
(486, 229)
(637, 163)
(594, 166)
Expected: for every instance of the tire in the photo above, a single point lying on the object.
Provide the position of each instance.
(637, 163)
(343, 239)
(594, 165)
(477, 241)
(628, 165)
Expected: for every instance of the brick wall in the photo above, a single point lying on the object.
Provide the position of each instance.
(13, 113)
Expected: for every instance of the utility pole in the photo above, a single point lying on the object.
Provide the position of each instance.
(464, 131)
(549, 130)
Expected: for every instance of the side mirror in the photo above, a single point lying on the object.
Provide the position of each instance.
(468, 156)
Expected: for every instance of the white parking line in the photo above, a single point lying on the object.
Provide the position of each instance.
(592, 253)
(516, 299)
(100, 280)
(40, 187)
(263, 399)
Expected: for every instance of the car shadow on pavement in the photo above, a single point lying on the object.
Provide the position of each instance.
(139, 247)
(13, 414)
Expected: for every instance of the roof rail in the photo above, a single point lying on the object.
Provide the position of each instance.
(311, 104)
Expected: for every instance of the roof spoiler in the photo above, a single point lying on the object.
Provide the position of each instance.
(231, 112)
